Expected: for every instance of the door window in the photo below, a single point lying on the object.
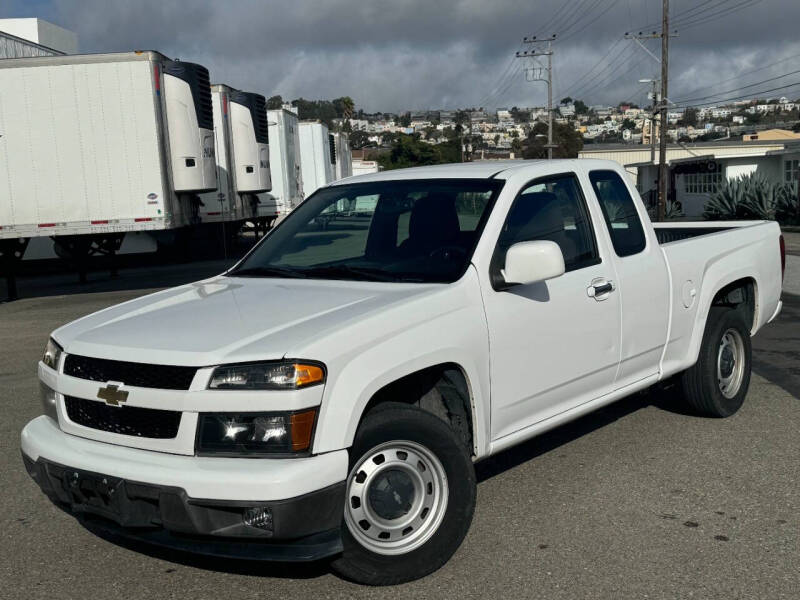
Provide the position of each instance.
(619, 212)
(550, 209)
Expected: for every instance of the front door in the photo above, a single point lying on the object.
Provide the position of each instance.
(554, 344)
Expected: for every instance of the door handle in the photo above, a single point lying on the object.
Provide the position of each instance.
(600, 288)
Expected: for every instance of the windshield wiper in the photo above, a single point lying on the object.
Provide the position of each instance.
(267, 272)
(347, 271)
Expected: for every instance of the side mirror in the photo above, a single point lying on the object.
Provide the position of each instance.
(529, 262)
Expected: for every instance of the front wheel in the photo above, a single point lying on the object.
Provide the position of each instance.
(717, 384)
(410, 497)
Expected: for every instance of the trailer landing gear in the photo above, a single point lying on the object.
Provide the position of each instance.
(11, 253)
(77, 249)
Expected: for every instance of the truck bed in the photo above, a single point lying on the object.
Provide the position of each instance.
(675, 232)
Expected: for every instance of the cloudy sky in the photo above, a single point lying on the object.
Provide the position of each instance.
(412, 54)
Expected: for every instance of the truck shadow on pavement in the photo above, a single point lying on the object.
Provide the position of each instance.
(665, 398)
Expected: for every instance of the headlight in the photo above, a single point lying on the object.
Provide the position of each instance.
(283, 375)
(52, 354)
(255, 433)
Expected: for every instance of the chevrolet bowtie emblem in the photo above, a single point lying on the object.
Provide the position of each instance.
(112, 394)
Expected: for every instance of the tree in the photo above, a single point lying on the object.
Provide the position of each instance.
(344, 107)
(404, 120)
(410, 151)
(569, 142)
(516, 146)
(520, 116)
(566, 100)
(274, 102)
(689, 117)
(628, 124)
(359, 139)
(581, 108)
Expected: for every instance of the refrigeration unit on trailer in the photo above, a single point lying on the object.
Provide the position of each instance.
(242, 155)
(93, 146)
(284, 160)
(341, 155)
(315, 156)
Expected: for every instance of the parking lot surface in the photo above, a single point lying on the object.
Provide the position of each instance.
(639, 500)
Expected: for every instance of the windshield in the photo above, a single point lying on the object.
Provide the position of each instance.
(416, 230)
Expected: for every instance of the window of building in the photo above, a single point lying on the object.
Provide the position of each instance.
(702, 183)
(790, 168)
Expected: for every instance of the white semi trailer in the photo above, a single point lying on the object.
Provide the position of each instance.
(94, 146)
(243, 157)
(284, 159)
(315, 156)
(342, 156)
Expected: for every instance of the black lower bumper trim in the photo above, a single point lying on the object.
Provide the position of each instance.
(303, 528)
(307, 549)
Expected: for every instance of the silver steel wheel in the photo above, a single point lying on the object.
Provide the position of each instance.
(730, 363)
(396, 497)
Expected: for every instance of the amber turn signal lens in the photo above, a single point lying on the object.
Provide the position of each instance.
(308, 374)
(302, 425)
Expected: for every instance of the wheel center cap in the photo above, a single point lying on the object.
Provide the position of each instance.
(726, 362)
(391, 495)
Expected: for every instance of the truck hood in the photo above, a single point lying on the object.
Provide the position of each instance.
(227, 319)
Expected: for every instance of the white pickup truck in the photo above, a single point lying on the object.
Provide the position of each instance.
(328, 395)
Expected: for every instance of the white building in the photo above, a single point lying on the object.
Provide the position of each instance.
(40, 32)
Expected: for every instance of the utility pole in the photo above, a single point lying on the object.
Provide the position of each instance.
(663, 101)
(534, 54)
(662, 148)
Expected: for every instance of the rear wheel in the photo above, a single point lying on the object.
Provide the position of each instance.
(717, 384)
(410, 497)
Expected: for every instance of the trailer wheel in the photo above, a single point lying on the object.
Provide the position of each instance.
(717, 384)
(410, 497)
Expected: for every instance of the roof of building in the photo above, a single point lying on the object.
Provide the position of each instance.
(692, 146)
(771, 135)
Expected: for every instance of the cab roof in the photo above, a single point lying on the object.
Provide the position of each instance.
(501, 169)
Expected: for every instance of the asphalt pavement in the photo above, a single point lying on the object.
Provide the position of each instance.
(639, 500)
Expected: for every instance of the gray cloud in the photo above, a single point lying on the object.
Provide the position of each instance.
(409, 54)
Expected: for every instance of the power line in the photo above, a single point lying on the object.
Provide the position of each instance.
(613, 65)
(547, 26)
(735, 77)
(750, 95)
(744, 87)
(586, 74)
(559, 25)
(591, 20)
(715, 16)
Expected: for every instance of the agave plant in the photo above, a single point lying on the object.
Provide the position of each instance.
(673, 210)
(788, 208)
(754, 197)
(728, 202)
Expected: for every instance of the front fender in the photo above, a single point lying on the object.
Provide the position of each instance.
(446, 327)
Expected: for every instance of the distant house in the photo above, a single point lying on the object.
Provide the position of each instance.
(771, 135)
(567, 110)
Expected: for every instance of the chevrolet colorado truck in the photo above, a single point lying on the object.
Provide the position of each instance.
(328, 396)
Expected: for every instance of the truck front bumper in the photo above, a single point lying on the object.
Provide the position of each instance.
(152, 496)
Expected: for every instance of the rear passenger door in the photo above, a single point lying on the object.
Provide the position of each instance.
(554, 345)
(643, 280)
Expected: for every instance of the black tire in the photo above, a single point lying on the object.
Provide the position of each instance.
(700, 384)
(396, 421)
